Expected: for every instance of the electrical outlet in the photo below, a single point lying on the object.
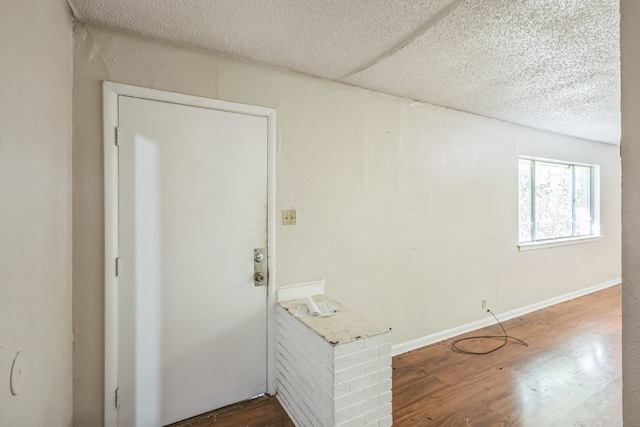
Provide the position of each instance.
(484, 303)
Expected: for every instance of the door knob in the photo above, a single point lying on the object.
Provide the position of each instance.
(260, 267)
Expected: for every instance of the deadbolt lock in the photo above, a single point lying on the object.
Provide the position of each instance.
(260, 267)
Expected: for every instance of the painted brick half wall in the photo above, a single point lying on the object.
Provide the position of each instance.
(333, 371)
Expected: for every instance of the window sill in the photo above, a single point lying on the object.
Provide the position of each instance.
(557, 242)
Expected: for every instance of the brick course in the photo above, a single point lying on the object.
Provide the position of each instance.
(327, 384)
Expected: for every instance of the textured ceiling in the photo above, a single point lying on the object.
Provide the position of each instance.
(547, 64)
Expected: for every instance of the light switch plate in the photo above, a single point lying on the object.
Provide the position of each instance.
(288, 217)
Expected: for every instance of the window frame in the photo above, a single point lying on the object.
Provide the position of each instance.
(594, 201)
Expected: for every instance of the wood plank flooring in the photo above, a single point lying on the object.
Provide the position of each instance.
(263, 411)
(568, 375)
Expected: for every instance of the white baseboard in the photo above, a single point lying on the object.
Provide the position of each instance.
(463, 329)
(301, 290)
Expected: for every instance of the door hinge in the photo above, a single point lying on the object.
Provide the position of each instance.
(118, 267)
(117, 398)
(118, 136)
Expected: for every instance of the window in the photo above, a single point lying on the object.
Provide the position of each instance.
(557, 200)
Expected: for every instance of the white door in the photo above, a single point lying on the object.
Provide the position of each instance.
(192, 207)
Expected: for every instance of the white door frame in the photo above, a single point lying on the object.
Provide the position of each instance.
(111, 91)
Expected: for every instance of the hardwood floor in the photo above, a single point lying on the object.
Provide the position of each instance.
(260, 412)
(568, 375)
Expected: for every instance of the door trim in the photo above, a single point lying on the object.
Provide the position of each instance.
(111, 91)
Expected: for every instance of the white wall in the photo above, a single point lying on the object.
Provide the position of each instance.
(630, 146)
(409, 211)
(35, 211)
